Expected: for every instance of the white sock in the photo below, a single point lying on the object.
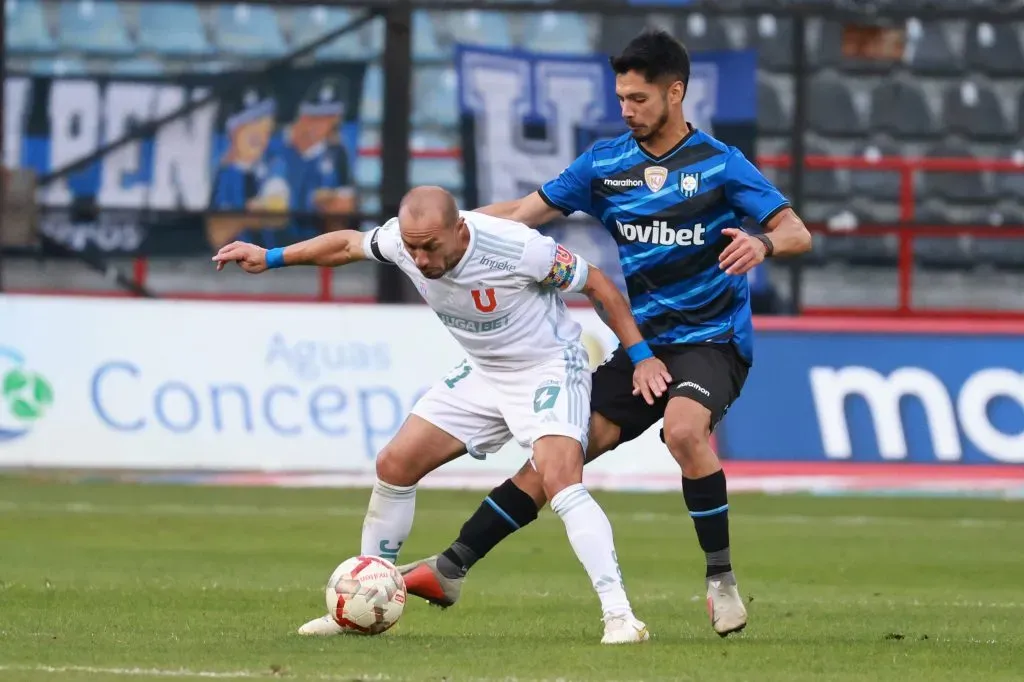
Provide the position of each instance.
(590, 534)
(388, 520)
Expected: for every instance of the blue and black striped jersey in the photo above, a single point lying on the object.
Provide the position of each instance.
(667, 214)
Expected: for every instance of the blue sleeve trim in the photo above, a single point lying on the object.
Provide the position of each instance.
(552, 204)
(774, 212)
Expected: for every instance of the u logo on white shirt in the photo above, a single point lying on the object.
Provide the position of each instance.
(484, 306)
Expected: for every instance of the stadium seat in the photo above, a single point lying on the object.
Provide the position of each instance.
(474, 27)
(1011, 185)
(63, 66)
(929, 50)
(900, 109)
(773, 39)
(953, 252)
(701, 33)
(616, 31)
(372, 105)
(248, 30)
(823, 184)
(844, 244)
(173, 29)
(311, 23)
(368, 172)
(92, 26)
(771, 117)
(557, 33)
(881, 185)
(25, 28)
(444, 172)
(422, 140)
(971, 108)
(140, 66)
(369, 203)
(1020, 116)
(1003, 253)
(965, 188)
(830, 108)
(995, 49)
(425, 44)
(434, 98)
(830, 53)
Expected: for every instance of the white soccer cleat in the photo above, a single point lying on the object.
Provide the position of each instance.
(624, 630)
(322, 627)
(725, 606)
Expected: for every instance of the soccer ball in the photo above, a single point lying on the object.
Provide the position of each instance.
(366, 594)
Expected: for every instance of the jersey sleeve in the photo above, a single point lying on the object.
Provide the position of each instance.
(750, 191)
(552, 265)
(384, 243)
(570, 191)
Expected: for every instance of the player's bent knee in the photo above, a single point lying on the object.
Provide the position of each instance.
(685, 439)
(397, 467)
(559, 461)
(530, 482)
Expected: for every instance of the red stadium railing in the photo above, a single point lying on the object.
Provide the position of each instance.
(906, 233)
(908, 168)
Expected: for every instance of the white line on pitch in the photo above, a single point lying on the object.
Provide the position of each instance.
(235, 674)
(90, 508)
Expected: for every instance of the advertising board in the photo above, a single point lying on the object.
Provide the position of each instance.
(173, 385)
(314, 391)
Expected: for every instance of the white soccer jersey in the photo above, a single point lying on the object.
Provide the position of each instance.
(501, 301)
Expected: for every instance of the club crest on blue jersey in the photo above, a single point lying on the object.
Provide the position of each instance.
(689, 183)
(655, 177)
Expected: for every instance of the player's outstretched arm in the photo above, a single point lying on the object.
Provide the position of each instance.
(530, 210)
(650, 377)
(327, 250)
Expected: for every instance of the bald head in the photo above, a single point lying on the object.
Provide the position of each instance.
(433, 232)
(428, 205)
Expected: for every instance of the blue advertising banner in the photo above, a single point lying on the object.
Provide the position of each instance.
(881, 396)
(284, 148)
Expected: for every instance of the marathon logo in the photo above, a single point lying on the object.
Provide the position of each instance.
(660, 233)
(627, 182)
(495, 264)
(473, 326)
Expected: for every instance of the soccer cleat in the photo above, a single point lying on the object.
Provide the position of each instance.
(725, 606)
(423, 579)
(624, 630)
(323, 627)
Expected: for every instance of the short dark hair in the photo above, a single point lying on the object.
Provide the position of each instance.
(655, 54)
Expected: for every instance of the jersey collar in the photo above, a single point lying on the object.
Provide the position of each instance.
(679, 145)
(470, 247)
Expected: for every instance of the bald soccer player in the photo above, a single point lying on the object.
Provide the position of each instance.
(495, 284)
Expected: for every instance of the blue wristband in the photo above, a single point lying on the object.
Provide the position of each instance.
(275, 258)
(639, 352)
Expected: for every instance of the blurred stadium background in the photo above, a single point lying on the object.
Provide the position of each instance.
(140, 136)
(922, 143)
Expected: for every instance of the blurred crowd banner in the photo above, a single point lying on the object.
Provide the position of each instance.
(319, 389)
(526, 116)
(283, 146)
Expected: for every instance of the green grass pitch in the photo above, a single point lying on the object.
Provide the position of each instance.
(104, 581)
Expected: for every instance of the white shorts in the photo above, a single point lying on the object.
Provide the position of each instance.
(485, 410)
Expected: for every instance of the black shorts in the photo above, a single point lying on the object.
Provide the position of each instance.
(712, 374)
